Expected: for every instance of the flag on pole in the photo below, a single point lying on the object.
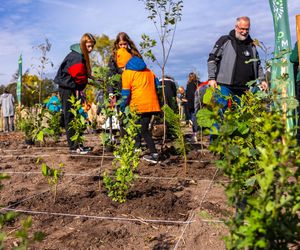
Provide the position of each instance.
(282, 66)
(19, 84)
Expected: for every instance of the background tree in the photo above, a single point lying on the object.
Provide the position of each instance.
(30, 89)
(43, 48)
(103, 48)
(30, 92)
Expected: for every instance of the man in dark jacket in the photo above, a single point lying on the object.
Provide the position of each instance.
(229, 61)
(170, 92)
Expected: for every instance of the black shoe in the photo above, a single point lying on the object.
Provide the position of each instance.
(80, 151)
(86, 148)
(153, 158)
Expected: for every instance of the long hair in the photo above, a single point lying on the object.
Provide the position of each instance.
(193, 78)
(87, 37)
(122, 36)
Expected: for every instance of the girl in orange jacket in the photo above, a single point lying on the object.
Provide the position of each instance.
(139, 91)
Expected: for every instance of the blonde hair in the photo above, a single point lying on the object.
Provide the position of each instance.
(87, 37)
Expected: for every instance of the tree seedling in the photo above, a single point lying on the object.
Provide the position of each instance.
(173, 121)
(165, 16)
(53, 176)
(126, 161)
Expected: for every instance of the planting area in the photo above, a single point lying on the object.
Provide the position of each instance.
(164, 208)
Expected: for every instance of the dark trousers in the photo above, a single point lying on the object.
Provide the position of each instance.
(195, 123)
(65, 95)
(9, 123)
(188, 111)
(145, 132)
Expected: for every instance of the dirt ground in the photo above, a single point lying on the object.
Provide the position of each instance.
(164, 209)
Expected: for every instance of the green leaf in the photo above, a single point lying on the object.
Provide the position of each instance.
(45, 169)
(229, 128)
(10, 216)
(234, 150)
(40, 136)
(205, 118)
(243, 128)
(207, 97)
(2, 238)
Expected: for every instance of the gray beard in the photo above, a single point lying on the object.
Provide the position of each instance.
(240, 37)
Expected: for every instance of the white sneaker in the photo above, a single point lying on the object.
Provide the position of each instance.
(153, 158)
(80, 151)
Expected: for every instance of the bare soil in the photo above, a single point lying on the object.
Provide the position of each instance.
(165, 209)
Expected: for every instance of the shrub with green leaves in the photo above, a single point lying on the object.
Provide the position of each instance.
(126, 161)
(78, 123)
(261, 160)
(54, 125)
(26, 125)
(37, 124)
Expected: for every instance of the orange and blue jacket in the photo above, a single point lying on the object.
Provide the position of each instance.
(72, 73)
(139, 87)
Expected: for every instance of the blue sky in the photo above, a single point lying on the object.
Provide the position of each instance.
(26, 23)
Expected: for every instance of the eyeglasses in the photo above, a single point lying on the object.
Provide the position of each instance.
(243, 29)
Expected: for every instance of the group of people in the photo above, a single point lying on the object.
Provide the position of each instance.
(233, 62)
(138, 88)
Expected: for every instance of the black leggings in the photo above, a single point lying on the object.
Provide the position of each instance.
(145, 132)
(65, 95)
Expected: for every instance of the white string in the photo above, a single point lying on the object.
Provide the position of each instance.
(213, 221)
(193, 213)
(47, 155)
(98, 217)
(137, 177)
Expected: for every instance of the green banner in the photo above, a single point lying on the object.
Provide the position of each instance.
(19, 84)
(282, 66)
